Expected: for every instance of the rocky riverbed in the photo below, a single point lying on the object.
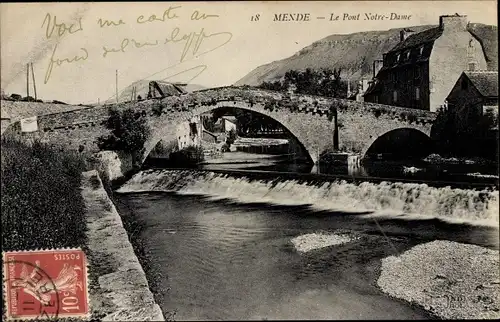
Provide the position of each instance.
(451, 280)
(308, 242)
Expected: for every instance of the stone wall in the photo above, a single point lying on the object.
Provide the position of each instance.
(120, 291)
(306, 117)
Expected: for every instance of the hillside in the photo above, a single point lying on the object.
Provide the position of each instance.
(355, 53)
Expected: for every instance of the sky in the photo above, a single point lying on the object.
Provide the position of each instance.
(76, 55)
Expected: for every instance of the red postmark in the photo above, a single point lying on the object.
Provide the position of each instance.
(46, 284)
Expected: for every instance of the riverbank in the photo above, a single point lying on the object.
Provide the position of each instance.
(119, 290)
(451, 280)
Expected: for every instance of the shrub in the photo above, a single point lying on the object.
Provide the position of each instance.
(42, 206)
(188, 156)
(225, 147)
(129, 131)
(231, 137)
(411, 118)
(157, 109)
(269, 105)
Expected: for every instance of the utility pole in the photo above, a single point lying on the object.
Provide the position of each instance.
(27, 80)
(34, 83)
(116, 87)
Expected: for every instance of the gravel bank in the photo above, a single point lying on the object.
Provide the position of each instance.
(451, 280)
(309, 242)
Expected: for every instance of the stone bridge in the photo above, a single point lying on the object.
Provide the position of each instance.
(311, 120)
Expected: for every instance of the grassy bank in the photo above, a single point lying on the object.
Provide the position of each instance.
(42, 205)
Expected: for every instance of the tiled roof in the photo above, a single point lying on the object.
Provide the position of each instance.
(418, 39)
(486, 82)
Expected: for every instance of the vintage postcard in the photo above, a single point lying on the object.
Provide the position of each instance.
(250, 160)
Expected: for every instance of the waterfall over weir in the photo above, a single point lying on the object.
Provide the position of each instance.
(386, 199)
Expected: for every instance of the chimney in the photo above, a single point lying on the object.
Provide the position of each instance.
(377, 65)
(453, 23)
(405, 33)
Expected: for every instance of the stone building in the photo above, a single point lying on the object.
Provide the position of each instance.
(229, 123)
(189, 133)
(420, 71)
(474, 95)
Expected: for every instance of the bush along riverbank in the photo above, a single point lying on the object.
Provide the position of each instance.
(42, 206)
(48, 203)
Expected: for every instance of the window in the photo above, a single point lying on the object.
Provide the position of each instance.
(395, 96)
(421, 50)
(417, 93)
(398, 57)
(472, 66)
(408, 54)
(417, 73)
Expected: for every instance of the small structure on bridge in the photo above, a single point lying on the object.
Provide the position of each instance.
(159, 89)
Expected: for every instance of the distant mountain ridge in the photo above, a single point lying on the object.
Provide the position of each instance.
(355, 53)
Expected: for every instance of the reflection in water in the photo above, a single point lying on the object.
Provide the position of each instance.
(409, 169)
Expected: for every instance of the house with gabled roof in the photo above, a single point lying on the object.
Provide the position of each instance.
(474, 95)
(420, 71)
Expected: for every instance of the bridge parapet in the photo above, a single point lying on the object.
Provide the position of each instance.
(271, 100)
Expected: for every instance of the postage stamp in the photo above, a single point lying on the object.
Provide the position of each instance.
(45, 284)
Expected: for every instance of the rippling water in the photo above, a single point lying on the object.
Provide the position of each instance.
(225, 258)
(385, 198)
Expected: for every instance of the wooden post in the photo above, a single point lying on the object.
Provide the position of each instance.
(27, 80)
(33, 76)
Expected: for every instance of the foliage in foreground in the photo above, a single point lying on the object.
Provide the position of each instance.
(42, 206)
(129, 131)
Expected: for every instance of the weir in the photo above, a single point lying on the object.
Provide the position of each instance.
(383, 198)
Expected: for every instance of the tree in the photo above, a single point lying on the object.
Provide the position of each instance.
(129, 131)
(324, 82)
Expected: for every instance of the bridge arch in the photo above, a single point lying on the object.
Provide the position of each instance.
(165, 126)
(401, 142)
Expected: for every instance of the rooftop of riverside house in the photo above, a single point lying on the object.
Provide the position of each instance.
(486, 82)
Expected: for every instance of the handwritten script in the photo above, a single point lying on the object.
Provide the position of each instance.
(193, 43)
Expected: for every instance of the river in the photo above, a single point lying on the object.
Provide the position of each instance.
(218, 246)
